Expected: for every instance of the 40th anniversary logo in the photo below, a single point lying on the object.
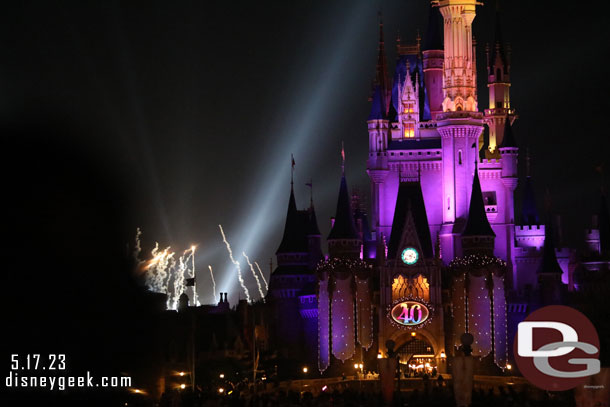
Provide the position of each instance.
(556, 348)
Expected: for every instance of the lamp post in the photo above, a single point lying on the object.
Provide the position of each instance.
(305, 370)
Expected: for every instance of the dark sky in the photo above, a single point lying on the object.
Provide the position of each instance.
(192, 109)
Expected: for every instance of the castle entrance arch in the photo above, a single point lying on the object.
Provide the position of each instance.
(417, 356)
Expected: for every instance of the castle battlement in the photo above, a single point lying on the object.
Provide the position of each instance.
(532, 251)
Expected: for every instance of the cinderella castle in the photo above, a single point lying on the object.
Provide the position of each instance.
(442, 250)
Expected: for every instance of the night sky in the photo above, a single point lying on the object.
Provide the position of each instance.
(187, 113)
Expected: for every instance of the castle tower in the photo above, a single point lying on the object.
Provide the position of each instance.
(377, 163)
(459, 67)
(291, 276)
(509, 153)
(498, 82)
(433, 56)
(343, 286)
(460, 125)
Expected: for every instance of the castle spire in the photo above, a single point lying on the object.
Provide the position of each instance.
(477, 224)
(293, 240)
(498, 83)
(343, 227)
(498, 57)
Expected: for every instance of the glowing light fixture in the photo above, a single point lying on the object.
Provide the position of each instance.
(222, 375)
(221, 390)
(305, 369)
(183, 386)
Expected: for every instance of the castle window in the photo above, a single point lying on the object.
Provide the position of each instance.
(417, 287)
(409, 130)
(489, 197)
(408, 107)
(460, 157)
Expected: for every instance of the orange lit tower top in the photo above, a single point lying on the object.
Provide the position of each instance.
(459, 66)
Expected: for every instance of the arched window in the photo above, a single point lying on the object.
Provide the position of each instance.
(459, 157)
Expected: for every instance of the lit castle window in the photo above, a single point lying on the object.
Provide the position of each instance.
(417, 287)
(409, 130)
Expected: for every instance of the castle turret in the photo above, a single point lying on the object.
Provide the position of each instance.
(377, 163)
(433, 55)
(292, 274)
(459, 68)
(498, 82)
(460, 125)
